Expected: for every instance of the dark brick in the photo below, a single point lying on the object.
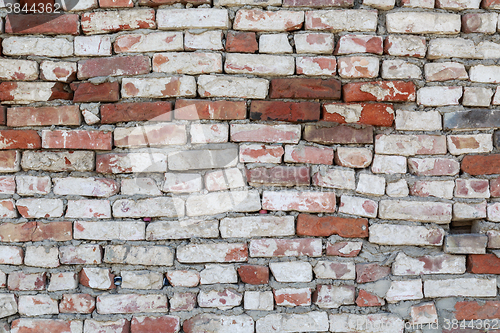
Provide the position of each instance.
(473, 119)
(279, 176)
(481, 164)
(49, 24)
(113, 66)
(330, 133)
(285, 111)
(88, 92)
(305, 88)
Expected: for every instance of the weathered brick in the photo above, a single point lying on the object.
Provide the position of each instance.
(345, 322)
(439, 96)
(131, 162)
(63, 281)
(182, 182)
(243, 42)
(77, 139)
(479, 22)
(221, 202)
(182, 302)
(29, 92)
(215, 252)
(341, 20)
(409, 145)
(353, 157)
(400, 69)
(120, 230)
(25, 325)
(139, 255)
(124, 112)
(224, 179)
(214, 274)
(311, 225)
(371, 184)
(388, 164)
(314, 321)
(441, 48)
(47, 24)
(37, 305)
(257, 226)
(112, 21)
(259, 64)
(285, 111)
(208, 40)
(93, 46)
(296, 271)
(359, 44)
(20, 281)
(376, 114)
(203, 159)
(340, 178)
(469, 211)
(490, 4)
(265, 133)
(483, 264)
(40, 256)
(88, 209)
(166, 324)
(49, 47)
(457, 4)
(486, 74)
(174, 86)
(325, 133)
(466, 244)
(8, 184)
(466, 287)
(418, 121)
(344, 249)
(153, 42)
(192, 18)
(257, 300)
(189, 109)
(131, 303)
(115, 3)
(81, 254)
(433, 188)
(437, 212)
(151, 207)
(77, 303)
(309, 88)
(358, 206)
(407, 235)
(381, 91)
(150, 135)
(338, 270)
(318, 43)
(366, 298)
(308, 154)
(93, 187)
(187, 63)
(253, 274)
(256, 153)
(358, 67)
(444, 71)
(232, 86)
(88, 92)
(218, 323)
(423, 23)
(114, 66)
(182, 230)
(404, 290)
(274, 43)
(313, 66)
(259, 20)
(11, 255)
(23, 70)
(405, 46)
(299, 201)
(39, 208)
(429, 264)
(183, 278)
(466, 144)
(291, 297)
(97, 278)
(472, 310)
(120, 325)
(10, 160)
(280, 176)
(472, 188)
(424, 313)
(477, 96)
(43, 116)
(311, 247)
(58, 161)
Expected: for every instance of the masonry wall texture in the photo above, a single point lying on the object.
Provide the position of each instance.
(250, 166)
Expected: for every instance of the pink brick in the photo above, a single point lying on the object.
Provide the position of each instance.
(358, 67)
(316, 65)
(26, 281)
(77, 303)
(343, 249)
(265, 133)
(371, 272)
(311, 247)
(495, 187)
(299, 201)
(224, 299)
(31, 185)
(256, 153)
(292, 297)
(353, 157)
(308, 154)
(182, 302)
(358, 206)
(7, 185)
(472, 188)
(88, 209)
(359, 44)
(433, 166)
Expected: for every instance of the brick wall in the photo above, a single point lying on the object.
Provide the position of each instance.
(242, 166)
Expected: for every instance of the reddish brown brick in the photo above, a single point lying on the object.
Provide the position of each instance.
(192, 109)
(380, 91)
(313, 225)
(292, 297)
(472, 310)
(87, 92)
(29, 3)
(371, 272)
(339, 249)
(305, 88)
(19, 139)
(164, 324)
(3, 109)
(48, 24)
(17, 232)
(285, 111)
(123, 112)
(490, 4)
(279, 176)
(481, 164)
(366, 298)
(68, 115)
(53, 231)
(376, 114)
(241, 42)
(9, 160)
(77, 139)
(254, 274)
(483, 264)
(329, 133)
(114, 66)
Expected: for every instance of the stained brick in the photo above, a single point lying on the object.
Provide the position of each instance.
(305, 88)
(192, 109)
(49, 24)
(19, 139)
(243, 42)
(325, 133)
(124, 112)
(278, 176)
(381, 91)
(376, 114)
(481, 164)
(87, 92)
(44, 116)
(114, 66)
(77, 139)
(312, 225)
(285, 111)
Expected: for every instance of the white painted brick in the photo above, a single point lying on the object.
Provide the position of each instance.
(430, 264)
(203, 159)
(434, 188)
(81, 254)
(342, 20)
(192, 18)
(159, 87)
(469, 211)
(37, 305)
(358, 67)
(458, 4)
(337, 270)
(314, 66)
(152, 207)
(340, 178)
(214, 274)
(388, 164)
(152, 42)
(223, 300)
(140, 186)
(451, 48)
(182, 182)
(358, 206)
(404, 290)
(41, 256)
(212, 252)
(400, 69)
(314, 321)
(13, 69)
(493, 212)
(305, 201)
(63, 281)
(92, 46)
(439, 96)
(443, 71)
(485, 74)
(49, 47)
(477, 96)
(183, 278)
(92, 187)
(423, 23)
(221, 202)
(209, 133)
(191, 63)
(259, 300)
(231, 86)
(88, 209)
(224, 179)
(418, 121)
(332, 297)
(144, 280)
(295, 271)
(260, 20)
(259, 64)
(318, 43)
(31, 185)
(118, 230)
(372, 323)
(257, 226)
(274, 43)
(380, 4)
(139, 255)
(111, 21)
(406, 46)
(421, 211)
(466, 144)
(397, 189)
(182, 229)
(407, 235)
(40, 208)
(466, 287)
(371, 184)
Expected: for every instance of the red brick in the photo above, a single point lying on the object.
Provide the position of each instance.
(376, 114)
(53, 231)
(292, 297)
(481, 164)
(308, 154)
(285, 111)
(366, 298)
(114, 66)
(371, 272)
(68, 115)
(490, 4)
(241, 42)
(25, 325)
(349, 44)
(279, 176)
(192, 109)
(3, 109)
(124, 112)
(254, 274)
(16, 91)
(48, 24)
(254, 132)
(77, 303)
(313, 225)
(472, 310)
(164, 324)
(29, 3)
(116, 3)
(9, 160)
(305, 88)
(19, 139)
(87, 92)
(329, 133)
(339, 249)
(380, 91)
(16, 232)
(318, 3)
(483, 264)
(77, 139)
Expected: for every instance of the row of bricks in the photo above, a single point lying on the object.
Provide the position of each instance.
(254, 88)
(352, 20)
